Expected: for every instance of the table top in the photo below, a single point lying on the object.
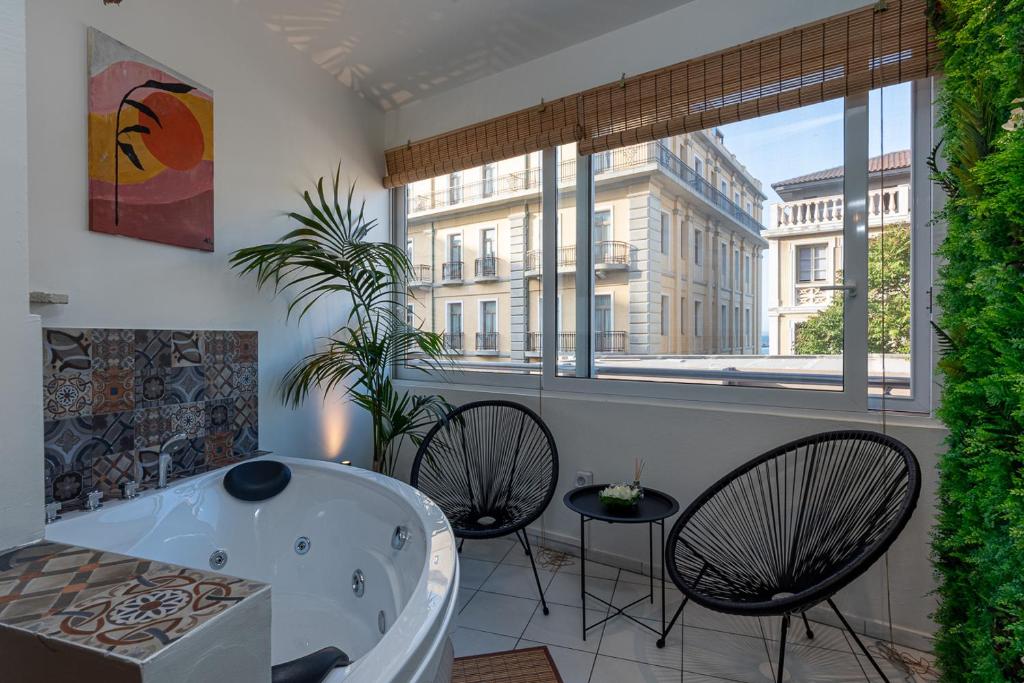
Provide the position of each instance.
(654, 506)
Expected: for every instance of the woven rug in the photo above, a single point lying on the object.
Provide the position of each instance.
(532, 665)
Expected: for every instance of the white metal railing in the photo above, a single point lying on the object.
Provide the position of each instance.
(891, 204)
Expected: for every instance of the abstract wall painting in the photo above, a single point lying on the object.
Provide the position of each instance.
(150, 148)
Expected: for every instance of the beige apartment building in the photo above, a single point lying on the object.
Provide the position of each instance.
(676, 253)
(805, 235)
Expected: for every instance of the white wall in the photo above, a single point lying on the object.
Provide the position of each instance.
(21, 404)
(280, 122)
(694, 29)
(688, 447)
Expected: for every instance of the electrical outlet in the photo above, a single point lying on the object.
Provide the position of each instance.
(584, 478)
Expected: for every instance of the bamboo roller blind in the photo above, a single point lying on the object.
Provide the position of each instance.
(848, 54)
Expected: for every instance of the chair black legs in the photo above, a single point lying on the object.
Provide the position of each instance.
(807, 625)
(668, 629)
(524, 540)
(856, 639)
(782, 647)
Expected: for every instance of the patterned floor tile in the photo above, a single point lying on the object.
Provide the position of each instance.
(66, 350)
(113, 349)
(67, 395)
(152, 349)
(220, 348)
(113, 390)
(186, 348)
(247, 347)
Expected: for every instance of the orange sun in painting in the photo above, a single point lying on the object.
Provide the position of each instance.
(176, 140)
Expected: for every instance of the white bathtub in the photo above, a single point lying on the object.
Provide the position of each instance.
(349, 516)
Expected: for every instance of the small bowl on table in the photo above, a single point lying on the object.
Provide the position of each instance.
(621, 498)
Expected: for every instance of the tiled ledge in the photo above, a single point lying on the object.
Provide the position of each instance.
(112, 605)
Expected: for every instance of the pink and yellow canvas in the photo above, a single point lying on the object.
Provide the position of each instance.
(150, 148)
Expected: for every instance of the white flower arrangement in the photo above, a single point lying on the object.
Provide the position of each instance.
(623, 492)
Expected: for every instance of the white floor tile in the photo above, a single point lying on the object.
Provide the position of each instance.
(730, 656)
(920, 667)
(465, 595)
(626, 639)
(563, 628)
(825, 636)
(573, 666)
(626, 593)
(564, 589)
(468, 642)
(819, 665)
(612, 670)
(642, 577)
(474, 572)
(502, 614)
(509, 579)
(595, 569)
(491, 550)
(518, 558)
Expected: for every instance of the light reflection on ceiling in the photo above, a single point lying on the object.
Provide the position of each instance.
(394, 52)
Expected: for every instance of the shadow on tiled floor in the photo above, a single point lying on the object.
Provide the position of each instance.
(499, 610)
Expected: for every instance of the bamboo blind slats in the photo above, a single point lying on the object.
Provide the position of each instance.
(844, 55)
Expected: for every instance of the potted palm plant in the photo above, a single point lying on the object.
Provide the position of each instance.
(330, 253)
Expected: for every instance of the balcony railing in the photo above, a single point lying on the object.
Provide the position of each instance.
(566, 342)
(451, 271)
(421, 274)
(606, 253)
(486, 266)
(609, 342)
(623, 159)
(452, 340)
(486, 341)
(891, 204)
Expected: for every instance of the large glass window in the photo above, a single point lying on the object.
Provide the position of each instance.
(811, 260)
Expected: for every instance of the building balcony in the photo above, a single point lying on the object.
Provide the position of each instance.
(888, 206)
(609, 342)
(422, 277)
(535, 343)
(452, 341)
(451, 273)
(487, 343)
(486, 269)
(608, 255)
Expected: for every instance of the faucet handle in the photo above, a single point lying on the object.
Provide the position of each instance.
(129, 489)
(93, 500)
(51, 512)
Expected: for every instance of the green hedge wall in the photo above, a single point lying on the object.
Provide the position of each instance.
(979, 541)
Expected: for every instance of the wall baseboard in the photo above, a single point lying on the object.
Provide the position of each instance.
(873, 629)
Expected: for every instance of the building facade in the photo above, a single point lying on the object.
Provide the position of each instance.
(805, 237)
(676, 253)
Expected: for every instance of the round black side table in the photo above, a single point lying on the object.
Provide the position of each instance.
(655, 508)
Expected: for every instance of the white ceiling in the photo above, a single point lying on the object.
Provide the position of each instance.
(394, 52)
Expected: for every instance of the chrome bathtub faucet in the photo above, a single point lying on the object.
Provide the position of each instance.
(129, 490)
(165, 460)
(52, 510)
(92, 500)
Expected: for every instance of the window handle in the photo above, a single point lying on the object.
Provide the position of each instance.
(850, 288)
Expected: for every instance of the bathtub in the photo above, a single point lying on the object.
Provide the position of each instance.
(307, 542)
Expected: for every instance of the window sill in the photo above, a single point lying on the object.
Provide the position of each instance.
(867, 417)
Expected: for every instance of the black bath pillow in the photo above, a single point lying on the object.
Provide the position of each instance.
(313, 668)
(257, 480)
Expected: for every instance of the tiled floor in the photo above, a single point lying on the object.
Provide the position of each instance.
(499, 610)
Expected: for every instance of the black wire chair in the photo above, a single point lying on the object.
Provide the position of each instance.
(491, 466)
(792, 527)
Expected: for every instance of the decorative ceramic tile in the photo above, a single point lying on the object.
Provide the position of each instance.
(190, 458)
(127, 606)
(152, 348)
(149, 464)
(246, 412)
(219, 381)
(247, 347)
(114, 432)
(220, 449)
(186, 348)
(245, 378)
(111, 469)
(66, 350)
(246, 441)
(113, 349)
(67, 395)
(69, 450)
(187, 418)
(113, 390)
(220, 348)
(220, 416)
(152, 427)
(166, 386)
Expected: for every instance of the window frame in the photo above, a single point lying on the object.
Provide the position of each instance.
(854, 395)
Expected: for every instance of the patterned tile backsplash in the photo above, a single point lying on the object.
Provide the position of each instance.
(112, 398)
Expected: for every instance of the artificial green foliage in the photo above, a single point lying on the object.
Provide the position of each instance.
(330, 253)
(979, 541)
(888, 302)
